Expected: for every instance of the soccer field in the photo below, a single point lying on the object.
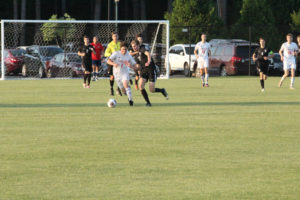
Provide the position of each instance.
(229, 141)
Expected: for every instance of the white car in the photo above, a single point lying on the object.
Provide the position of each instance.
(182, 58)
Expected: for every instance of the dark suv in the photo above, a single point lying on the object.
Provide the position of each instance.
(231, 57)
(37, 58)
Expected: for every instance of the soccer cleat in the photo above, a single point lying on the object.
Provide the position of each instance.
(164, 92)
(84, 85)
(263, 90)
(292, 87)
(148, 105)
(112, 92)
(130, 103)
(94, 78)
(280, 84)
(203, 84)
(206, 85)
(88, 86)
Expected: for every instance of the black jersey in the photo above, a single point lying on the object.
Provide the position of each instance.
(260, 53)
(141, 58)
(298, 56)
(87, 59)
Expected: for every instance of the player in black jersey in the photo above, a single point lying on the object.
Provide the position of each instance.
(147, 71)
(262, 55)
(139, 38)
(85, 51)
(298, 55)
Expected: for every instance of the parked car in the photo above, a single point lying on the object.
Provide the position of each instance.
(231, 57)
(37, 58)
(64, 64)
(13, 60)
(180, 55)
(275, 66)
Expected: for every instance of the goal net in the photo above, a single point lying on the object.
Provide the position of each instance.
(48, 48)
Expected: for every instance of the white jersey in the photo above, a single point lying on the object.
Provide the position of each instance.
(120, 59)
(203, 49)
(289, 50)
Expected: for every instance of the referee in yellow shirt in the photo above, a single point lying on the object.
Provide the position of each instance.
(113, 46)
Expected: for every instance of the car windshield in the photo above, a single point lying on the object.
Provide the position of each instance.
(243, 51)
(73, 58)
(189, 50)
(50, 52)
(17, 52)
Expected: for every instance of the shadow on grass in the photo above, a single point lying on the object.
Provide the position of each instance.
(166, 104)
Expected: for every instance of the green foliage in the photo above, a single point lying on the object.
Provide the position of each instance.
(295, 25)
(198, 13)
(259, 16)
(58, 31)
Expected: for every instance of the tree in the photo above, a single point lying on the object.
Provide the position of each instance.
(258, 15)
(58, 32)
(295, 25)
(198, 13)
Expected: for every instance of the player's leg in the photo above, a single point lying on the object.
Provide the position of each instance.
(261, 79)
(286, 69)
(292, 76)
(111, 79)
(201, 67)
(98, 65)
(142, 83)
(85, 76)
(125, 80)
(206, 72)
(152, 88)
(94, 67)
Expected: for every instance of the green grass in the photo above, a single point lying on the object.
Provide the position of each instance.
(229, 141)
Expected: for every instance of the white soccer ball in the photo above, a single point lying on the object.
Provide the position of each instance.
(111, 103)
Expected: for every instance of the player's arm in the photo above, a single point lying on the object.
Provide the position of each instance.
(254, 56)
(108, 51)
(111, 62)
(81, 54)
(147, 53)
(281, 53)
(195, 52)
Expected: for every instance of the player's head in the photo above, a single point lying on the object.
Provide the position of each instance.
(95, 39)
(262, 42)
(139, 38)
(289, 37)
(123, 48)
(203, 37)
(86, 39)
(114, 36)
(298, 38)
(135, 45)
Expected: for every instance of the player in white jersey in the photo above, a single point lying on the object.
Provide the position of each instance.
(121, 60)
(287, 53)
(202, 57)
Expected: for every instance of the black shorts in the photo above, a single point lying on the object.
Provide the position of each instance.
(149, 75)
(87, 67)
(263, 67)
(110, 70)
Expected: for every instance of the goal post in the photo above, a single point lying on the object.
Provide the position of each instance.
(48, 48)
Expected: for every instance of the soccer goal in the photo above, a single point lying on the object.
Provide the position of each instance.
(48, 48)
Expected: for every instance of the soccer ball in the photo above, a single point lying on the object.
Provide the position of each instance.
(111, 103)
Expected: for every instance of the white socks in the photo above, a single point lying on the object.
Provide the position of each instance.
(129, 95)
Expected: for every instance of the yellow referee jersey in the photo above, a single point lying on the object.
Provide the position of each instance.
(112, 47)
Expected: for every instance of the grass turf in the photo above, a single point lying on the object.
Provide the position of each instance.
(229, 141)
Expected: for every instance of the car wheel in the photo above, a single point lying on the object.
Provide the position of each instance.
(41, 72)
(186, 70)
(223, 71)
(24, 70)
(50, 73)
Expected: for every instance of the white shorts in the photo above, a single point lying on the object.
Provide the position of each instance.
(120, 78)
(289, 64)
(202, 63)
